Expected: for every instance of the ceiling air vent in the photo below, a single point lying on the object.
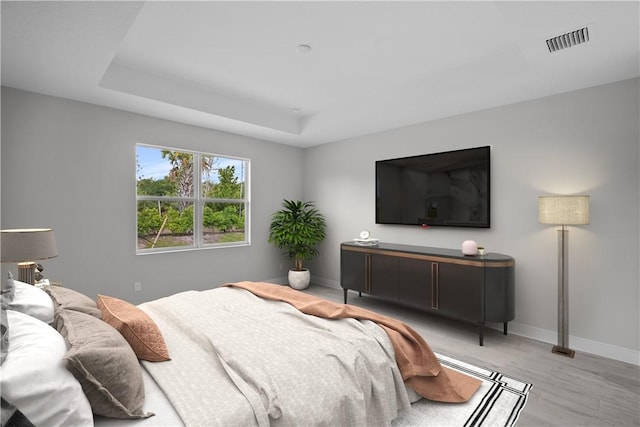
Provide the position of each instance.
(568, 40)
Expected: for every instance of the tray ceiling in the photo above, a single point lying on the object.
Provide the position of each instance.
(306, 73)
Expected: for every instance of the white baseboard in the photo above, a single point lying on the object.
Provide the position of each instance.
(577, 343)
(545, 335)
(328, 283)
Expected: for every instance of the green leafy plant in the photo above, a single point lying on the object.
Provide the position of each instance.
(297, 229)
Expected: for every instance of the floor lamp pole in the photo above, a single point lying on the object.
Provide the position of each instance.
(563, 295)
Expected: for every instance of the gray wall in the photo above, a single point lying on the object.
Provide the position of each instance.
(583, 142)
(71, 166)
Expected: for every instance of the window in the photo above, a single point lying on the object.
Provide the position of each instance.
(190, 200)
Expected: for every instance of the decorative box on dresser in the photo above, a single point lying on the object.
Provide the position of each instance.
(477, 289)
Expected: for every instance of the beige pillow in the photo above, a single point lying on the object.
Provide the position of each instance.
(72, 300)
(136, 327)
(104, 364)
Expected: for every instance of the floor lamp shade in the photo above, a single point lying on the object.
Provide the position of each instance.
(563, 210)
(24, 246)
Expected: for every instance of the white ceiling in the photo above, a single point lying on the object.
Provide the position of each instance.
(236, 66)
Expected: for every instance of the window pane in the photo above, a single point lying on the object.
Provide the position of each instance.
(189, 200)
(223, 178)
(162, 172)
(223, 223)
(164, 224)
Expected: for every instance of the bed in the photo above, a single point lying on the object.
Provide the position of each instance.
(246, 353)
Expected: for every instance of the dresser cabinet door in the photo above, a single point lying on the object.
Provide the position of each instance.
(385, 276)
(355, 270)
(414, 283)
(500, 294)
(459, 291)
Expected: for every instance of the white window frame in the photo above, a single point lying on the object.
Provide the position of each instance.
(199, 202)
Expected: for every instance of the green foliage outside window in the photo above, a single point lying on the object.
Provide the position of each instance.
(149, 220)
(167, 202)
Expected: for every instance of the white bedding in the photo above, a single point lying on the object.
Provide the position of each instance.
(155, 401)
(240, 360)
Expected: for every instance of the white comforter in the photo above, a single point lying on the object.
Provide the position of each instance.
(240, 360)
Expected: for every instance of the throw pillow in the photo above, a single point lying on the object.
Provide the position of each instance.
(32, 301)
(34, 379)
(6, 288)
(4, 328)
(104, 364)
(136, 327)
(67, 298)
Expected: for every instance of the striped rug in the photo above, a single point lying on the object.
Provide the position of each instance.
(498, 402)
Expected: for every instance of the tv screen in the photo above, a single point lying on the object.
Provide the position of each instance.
(441, 189)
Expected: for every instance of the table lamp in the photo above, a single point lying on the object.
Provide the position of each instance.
(25, 246)
(563, 210)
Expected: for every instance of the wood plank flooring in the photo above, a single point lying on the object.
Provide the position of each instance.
(587, 390)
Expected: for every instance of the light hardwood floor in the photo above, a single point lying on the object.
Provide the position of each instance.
(587, 390)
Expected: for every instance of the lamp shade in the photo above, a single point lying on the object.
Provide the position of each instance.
(29, 244)
(563, 210)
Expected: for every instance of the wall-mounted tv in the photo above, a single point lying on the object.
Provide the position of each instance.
(440, 189)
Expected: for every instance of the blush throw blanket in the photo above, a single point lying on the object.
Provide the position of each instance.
(418, 365)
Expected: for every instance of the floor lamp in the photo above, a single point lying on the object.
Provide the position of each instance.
(25, 246)
(563, 210)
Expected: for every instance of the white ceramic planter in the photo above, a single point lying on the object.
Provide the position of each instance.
(299, 279)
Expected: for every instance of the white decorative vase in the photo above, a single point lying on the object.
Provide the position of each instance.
(299, 279)
(469, 247)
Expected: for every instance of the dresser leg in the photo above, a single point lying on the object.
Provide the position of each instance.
(481, 334)
(504, 328)
(345, 295)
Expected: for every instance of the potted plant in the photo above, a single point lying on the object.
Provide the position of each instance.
(296, 229)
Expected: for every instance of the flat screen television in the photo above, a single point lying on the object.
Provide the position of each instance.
(449, 189)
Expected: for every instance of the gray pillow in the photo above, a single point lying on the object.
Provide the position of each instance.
(104, 364)
(7, 411)
(6, 289)
(67, 298)
(4, 328)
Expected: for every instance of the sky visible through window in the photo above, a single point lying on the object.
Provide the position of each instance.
(153, 166)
